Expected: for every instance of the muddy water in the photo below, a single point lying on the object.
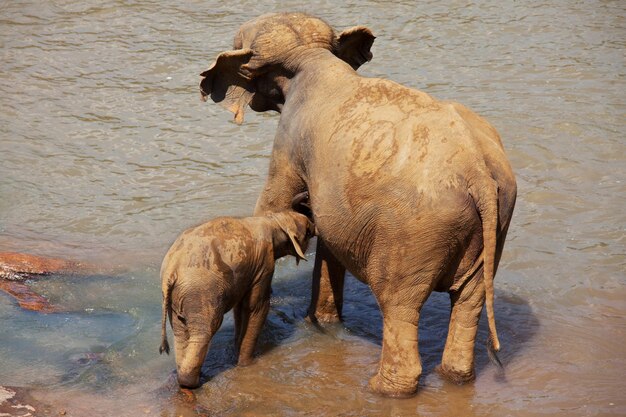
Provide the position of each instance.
(107, 153)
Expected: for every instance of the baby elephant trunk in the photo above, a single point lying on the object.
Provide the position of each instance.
(189, 361)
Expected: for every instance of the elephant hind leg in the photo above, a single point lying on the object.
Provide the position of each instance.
(457, 364)
(400, 366)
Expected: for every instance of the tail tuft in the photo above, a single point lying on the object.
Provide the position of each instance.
(492, 352)
(165, 347)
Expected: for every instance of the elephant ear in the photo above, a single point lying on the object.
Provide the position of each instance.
(354, 44)
(229, 82)
(290, 228)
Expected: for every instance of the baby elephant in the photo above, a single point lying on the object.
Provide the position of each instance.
(224, 264)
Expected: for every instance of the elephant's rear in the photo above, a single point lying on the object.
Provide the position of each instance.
(488, 142)
(174, 259)
(414, 182)
(167, 280)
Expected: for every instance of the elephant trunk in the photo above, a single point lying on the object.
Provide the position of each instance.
(189, 361)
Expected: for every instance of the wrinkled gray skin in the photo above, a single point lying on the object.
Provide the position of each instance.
(224, 264)
(409, 193)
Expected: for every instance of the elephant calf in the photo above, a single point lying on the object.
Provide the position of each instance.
(224, 264)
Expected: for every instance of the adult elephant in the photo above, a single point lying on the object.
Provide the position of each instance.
(408, 193)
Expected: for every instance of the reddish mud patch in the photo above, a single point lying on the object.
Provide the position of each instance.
(15, 266)
(27, 298)
(17, 402)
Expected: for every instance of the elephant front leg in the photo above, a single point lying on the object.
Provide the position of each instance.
(457, 364)
(251, 320)
(238, 315)
(327, 292)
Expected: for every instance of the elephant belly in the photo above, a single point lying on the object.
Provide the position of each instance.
(392, 235)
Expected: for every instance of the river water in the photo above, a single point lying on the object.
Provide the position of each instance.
(107, 154)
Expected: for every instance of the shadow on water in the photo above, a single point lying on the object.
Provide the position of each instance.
(71, 348)
(515, 321)
(299, 346)
(288, 306)
(294, 358)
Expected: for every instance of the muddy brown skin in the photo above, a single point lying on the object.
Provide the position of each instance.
(224, 264)
(409, 193)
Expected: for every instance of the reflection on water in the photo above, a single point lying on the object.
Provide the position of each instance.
(107, 153)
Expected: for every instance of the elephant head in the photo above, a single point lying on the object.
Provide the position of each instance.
(196, 315)
(292, 235)
(265, 57)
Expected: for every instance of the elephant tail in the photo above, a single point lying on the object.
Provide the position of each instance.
(166, 307)
(487, 203)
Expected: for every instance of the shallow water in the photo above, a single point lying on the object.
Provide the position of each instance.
(107, 153)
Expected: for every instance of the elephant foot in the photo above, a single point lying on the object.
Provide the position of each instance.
(245, 361)
(456, 377)
(383, 386)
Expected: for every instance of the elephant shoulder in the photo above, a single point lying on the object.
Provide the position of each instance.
(379, 91)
